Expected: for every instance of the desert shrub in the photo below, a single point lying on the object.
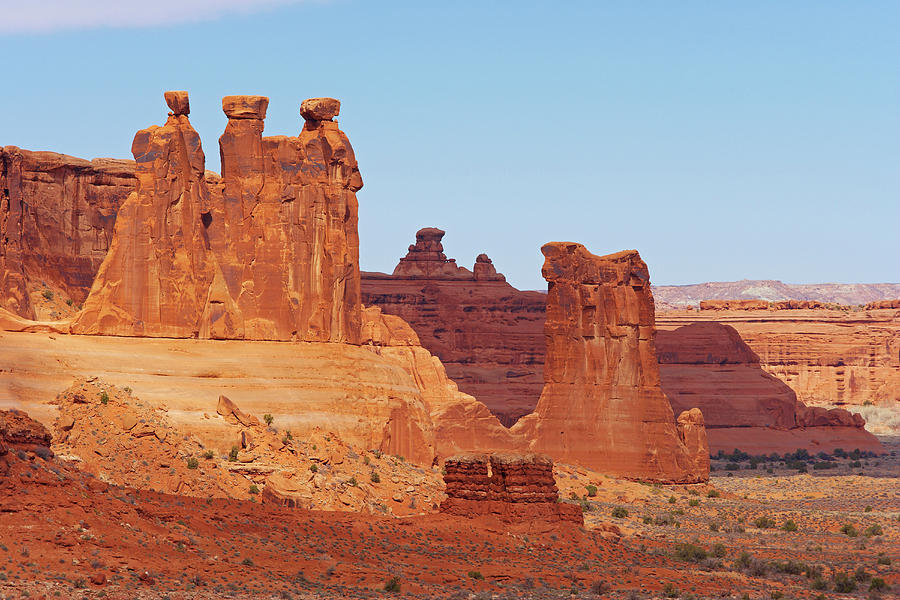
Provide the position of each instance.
(663, 520)
(648, 520)
(247, 562)
(353, 482)
(104, 397)
(712, 494)
(585, 505)
(670, 591)
(849, 530)
(743, 561)
(69, 302)
(855, 464)
(672, 499)
(192, 463)
(877, 585)
(600, 587)
(860, 574)
(476, 575)
(392, 585)
(884, 560)
(764, 523)
(48, 294)
(818, 583)
(873, 530)
(789, 568)
(254, 489)
(591, 490)
(718, 550)
(713, 526)
(843, 583)
(824, 465)
(619, 512)
(314, 468)
(374, 477)
(232, 454)
(732, 466)
(789, 525)
(208, 454)
(268, 418)
(693, 502)
(690, 552)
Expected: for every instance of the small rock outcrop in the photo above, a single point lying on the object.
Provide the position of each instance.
(18, 431)
(602, 406)
(514, 488)
(734, 305)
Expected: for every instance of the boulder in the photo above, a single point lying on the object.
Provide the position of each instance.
(320, 109)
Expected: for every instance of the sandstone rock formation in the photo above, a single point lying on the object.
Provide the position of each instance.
(488, 335)
(602, 406)
(57, 215)
(734, 305)
(268, 252)
(18, 431)
(883, 304)
(707, 364)
(513, 488)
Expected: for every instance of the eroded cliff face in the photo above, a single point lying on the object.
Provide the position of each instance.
(513, 488)
(487, 334)
(57, 215)
(268, 252)
(602, 406)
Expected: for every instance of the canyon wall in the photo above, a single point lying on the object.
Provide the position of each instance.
(57, 215)
(602, 406)
(268, 252)
(488, 335)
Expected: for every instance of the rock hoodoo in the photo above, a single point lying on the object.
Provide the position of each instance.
(268, 252)
(514, 488)
(57, 215)
(602, 406)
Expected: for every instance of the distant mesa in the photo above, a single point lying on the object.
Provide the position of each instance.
(426, 260)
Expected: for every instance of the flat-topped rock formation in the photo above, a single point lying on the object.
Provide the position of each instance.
(57, 215)
(774, 291)
(268, 252)
(602, 406)
(514, 488)
(488, 335)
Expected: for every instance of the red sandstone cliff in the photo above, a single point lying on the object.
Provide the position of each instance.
(57, 215)
(601, 405)
(488, 335)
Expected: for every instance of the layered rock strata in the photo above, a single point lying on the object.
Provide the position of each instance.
(57, 215)
(487, 334)
(513, 488)
(268, 252)
(707, 364)
(602, 406)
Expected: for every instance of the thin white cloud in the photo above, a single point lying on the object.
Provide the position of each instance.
(42, 16)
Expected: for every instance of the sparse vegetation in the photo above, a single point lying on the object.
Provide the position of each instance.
(392, 585)
(208, 455)
(374, 477)
(48, 294)
(268, 418)
(254, 489)
(591, 490)
(104, 397)
(476, 575)
(849, 530)
(192, 463)
(789, 525)
(233, 454)
(619, 512)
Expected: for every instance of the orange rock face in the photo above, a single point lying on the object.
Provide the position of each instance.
(18, 431)
(269, 252)
(707, 364)
(734, 305)
(513, 488)
(57, 215)
(602, 406)
(488, 335)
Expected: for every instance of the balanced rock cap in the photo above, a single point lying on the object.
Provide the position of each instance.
(178, 102)
(245, 107)
(320, 109)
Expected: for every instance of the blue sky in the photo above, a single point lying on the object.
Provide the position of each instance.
(723, 140)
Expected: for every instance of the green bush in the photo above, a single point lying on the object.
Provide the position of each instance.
(314, 468)
(849, 530)
(789, 525)
(693, 502)
(192, 463)
(104, 397)
(591, 490)
(690, 552)
(764, 523)
(884, 560)
(47, 294)
(268, 419)
(718, 550)
(353, 482)
(843, 583)
(208, 454)
(670, 591)
(873, 530)
(672, 499)
(619, 512)
(877, 585)
(476, 575)
(375, 477)
(712, 494)
(254, 489)
(232, 454)
(392, 585)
